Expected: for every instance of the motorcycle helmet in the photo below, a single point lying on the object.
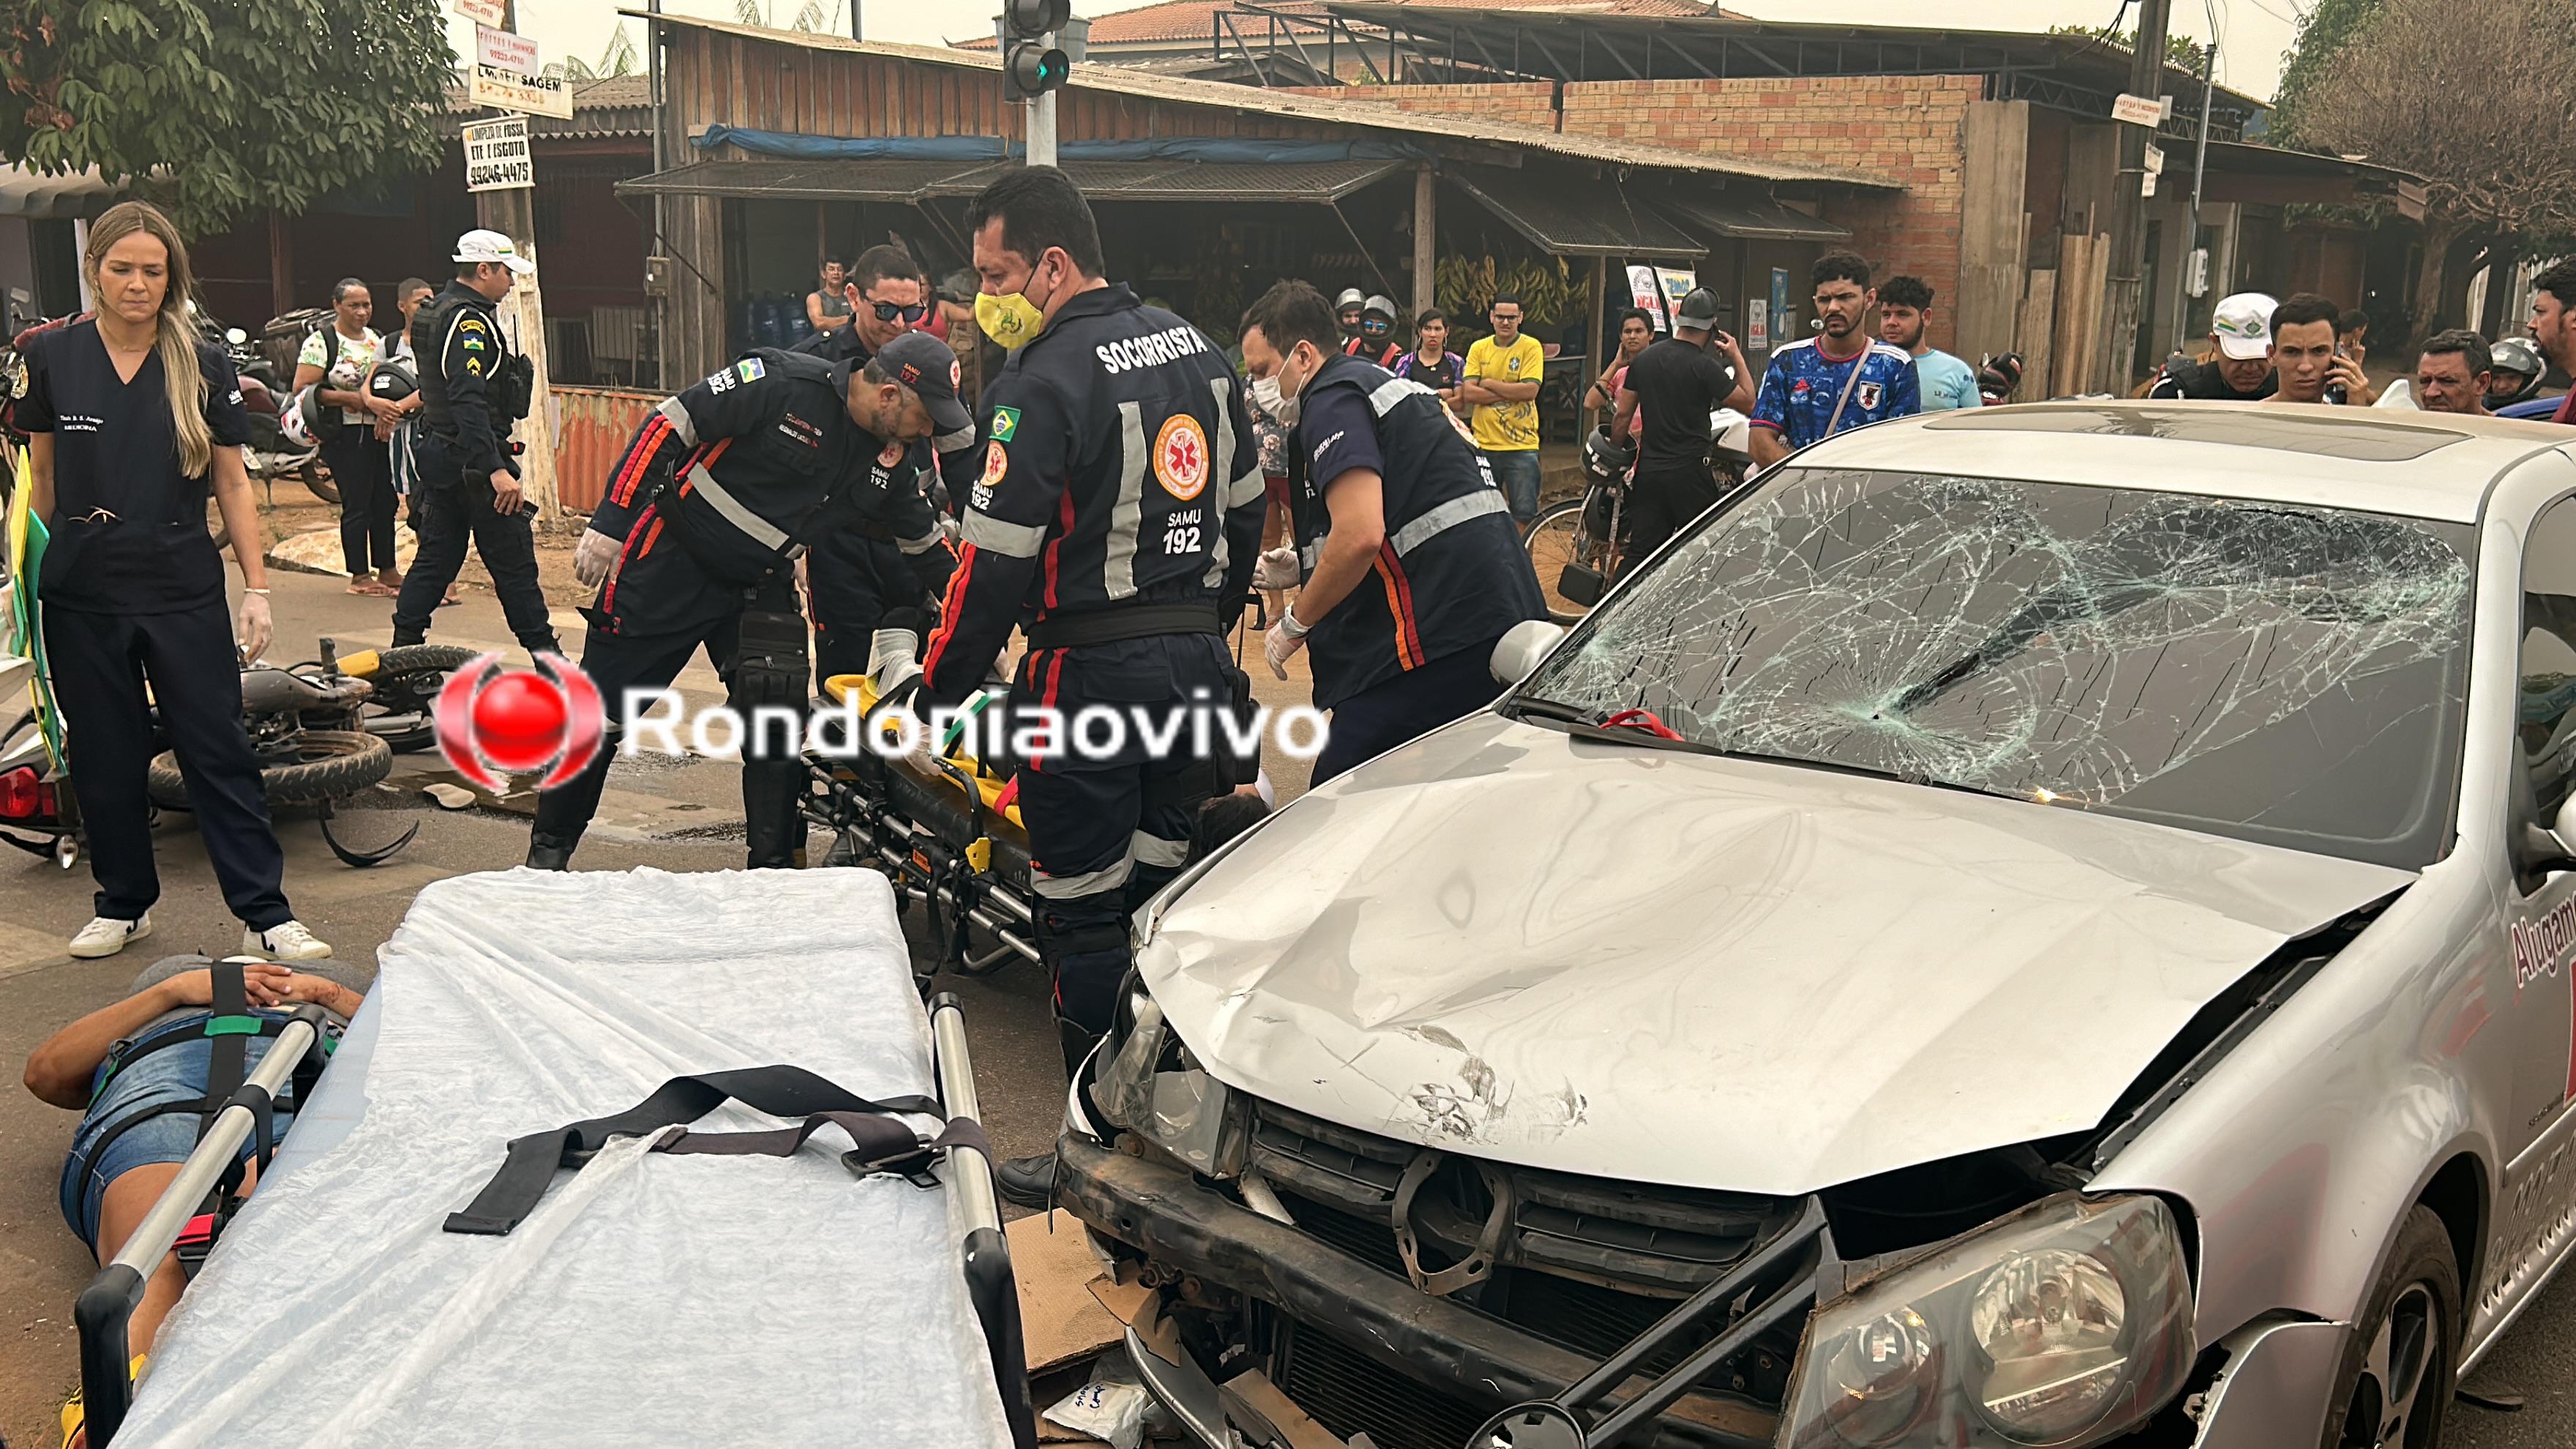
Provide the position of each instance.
(2518, 371)
(1606, 459)
(391, 381)
(1344, 308)
(1997, 376)
(1377, 318)
(302, 422)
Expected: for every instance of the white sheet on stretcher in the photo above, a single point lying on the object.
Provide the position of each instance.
(649, 1300)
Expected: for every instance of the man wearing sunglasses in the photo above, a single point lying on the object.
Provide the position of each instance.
(856, 584)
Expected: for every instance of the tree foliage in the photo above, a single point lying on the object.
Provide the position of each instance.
(217, 108)
(2324, 31)
(618, 59)
(2483, 112)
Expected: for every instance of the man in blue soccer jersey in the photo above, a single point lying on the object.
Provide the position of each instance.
(1838, 379)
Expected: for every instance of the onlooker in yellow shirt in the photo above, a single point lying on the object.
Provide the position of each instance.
(1503, 374)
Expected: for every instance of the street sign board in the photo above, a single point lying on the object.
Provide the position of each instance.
(2155, 159)
(510, 90)
(500, 48)
(2138, 110)
(496, 155)
(2147, 184)
(483, 12)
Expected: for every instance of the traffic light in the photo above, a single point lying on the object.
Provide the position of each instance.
(1031, 67)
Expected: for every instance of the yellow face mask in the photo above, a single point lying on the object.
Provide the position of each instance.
(1010, 321)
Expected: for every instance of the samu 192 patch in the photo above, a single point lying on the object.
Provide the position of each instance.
(1006, 423)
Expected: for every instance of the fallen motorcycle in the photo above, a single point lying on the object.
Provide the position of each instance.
(37, 813)
(308, 725)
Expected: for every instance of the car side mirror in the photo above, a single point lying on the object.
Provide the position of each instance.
(1518, 653)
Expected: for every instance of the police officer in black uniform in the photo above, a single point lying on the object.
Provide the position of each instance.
(856, 584)
(696, 538)
(1117, 519)
(1679, 384)
(1411, 568)
(466, 477)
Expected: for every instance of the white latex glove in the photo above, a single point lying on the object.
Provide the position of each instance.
(253, 625)
(595, 556)
(1280, 646)
(1277, 569)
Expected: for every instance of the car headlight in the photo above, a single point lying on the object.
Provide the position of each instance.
(2066, 1324)
(1149, 1084)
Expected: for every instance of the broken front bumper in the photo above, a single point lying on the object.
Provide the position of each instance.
(1383, 1327)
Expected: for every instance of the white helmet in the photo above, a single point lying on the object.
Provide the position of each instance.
(300, 419)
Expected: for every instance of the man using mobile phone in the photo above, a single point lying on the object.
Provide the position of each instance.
(2312, 365)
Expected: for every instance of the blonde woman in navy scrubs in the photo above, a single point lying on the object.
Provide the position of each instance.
(131, 417)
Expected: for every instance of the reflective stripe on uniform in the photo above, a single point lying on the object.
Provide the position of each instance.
(1447, 516)
(1220, 466)
(758, 529)
(1011, 540)
(1155, 850)
(1392, 391)
(950, 442)
(1127, 515)
(1089, 883)
(681, 423)
(923, 544)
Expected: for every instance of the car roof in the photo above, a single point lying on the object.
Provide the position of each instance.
(2422, 465)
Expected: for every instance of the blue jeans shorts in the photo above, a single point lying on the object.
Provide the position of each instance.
(170, 1075)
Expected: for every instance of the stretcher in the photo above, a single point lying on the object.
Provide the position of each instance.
(418, 1268)
(946, 830)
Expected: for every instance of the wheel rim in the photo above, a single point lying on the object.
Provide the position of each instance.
(1555, 541)
(2389, 1407)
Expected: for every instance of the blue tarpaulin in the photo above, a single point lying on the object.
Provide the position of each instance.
(991, 148)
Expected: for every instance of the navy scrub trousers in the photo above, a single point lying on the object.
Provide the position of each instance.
(99, 664)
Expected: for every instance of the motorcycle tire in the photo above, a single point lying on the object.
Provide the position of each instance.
(327, 765)
(318, 481)
(407, 680)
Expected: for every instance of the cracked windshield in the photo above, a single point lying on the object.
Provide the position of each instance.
(2277, 673)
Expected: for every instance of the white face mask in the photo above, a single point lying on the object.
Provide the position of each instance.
(1290, 405)
(1265, 395)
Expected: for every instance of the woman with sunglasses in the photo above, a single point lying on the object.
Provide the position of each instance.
(131, 418)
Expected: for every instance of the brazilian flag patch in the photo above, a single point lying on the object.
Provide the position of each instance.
(1006, 421)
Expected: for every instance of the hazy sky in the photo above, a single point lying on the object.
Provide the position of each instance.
(2252, 33)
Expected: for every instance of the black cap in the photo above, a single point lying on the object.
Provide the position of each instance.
(926, 365)
(1698, 311)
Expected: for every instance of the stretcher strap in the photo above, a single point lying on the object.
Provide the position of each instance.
(528, 1168)
(230, 1050)
(885, 1144)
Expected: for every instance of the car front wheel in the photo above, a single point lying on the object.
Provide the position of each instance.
(2397, 1371)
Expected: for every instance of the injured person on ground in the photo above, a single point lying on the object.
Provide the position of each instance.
(142, 1072)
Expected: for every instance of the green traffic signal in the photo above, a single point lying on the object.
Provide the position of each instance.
(1031, 70)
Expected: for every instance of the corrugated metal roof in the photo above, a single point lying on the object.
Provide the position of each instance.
(1196, 19)
(906, 180)
(1572, 218)
(1420, 126)
(1757, 218)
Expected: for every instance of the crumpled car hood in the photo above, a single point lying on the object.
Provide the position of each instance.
(1708, 972)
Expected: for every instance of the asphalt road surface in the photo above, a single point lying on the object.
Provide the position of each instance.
(684, 816)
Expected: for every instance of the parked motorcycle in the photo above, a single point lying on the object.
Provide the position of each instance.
(37, 814)
(265, 396)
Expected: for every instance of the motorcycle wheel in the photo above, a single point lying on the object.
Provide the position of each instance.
(407, 680)
(318, 480)
(317, 765)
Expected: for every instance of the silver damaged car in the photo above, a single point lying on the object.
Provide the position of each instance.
(2041, 926)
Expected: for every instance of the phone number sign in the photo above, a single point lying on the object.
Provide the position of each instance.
(496, 155)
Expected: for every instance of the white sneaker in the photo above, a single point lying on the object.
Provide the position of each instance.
(106, 935)
(285, 941)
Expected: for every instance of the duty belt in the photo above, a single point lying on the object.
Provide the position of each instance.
(1135, 621)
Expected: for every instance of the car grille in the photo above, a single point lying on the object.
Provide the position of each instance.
(1586, 1263)
(1349, 1393)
